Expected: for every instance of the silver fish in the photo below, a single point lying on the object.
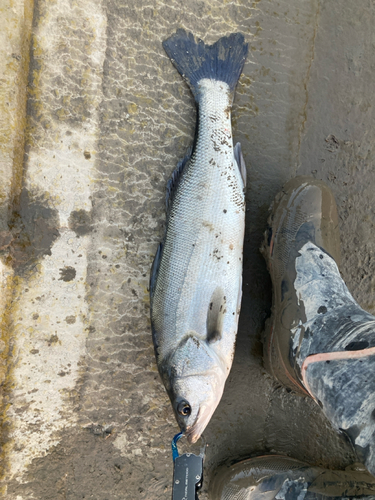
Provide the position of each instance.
(196, 278)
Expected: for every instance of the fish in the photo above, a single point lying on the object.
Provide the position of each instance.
(196, 275)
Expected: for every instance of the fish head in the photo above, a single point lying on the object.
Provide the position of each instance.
(197, 397)
(196, 384)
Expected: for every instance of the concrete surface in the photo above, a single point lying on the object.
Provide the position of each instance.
(84, 168)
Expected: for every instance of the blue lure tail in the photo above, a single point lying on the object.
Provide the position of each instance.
(221, 61)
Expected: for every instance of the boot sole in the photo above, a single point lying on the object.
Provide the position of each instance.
(272, 356)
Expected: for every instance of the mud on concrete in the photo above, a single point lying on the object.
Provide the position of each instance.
(109, 118)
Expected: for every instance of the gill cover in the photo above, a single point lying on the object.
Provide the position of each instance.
(196, 378)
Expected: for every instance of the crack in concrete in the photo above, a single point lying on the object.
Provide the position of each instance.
(305, 85)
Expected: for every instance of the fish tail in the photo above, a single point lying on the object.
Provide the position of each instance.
(221, 61)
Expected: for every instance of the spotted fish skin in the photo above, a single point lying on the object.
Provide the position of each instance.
(196, 280)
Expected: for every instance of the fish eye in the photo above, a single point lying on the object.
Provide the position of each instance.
(184, 408)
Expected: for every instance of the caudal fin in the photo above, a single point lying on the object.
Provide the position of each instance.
(221, 61)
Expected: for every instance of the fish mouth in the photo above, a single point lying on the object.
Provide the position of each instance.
(194, 432)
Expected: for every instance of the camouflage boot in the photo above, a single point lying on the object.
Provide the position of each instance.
(319, 341)
(282, 478)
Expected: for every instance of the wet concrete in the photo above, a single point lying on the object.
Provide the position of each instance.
(108, 117)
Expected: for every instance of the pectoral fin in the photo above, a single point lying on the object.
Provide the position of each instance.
(215, 315)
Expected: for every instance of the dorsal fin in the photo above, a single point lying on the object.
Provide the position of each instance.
(238, 156)
(215, 315)
(175, 177)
